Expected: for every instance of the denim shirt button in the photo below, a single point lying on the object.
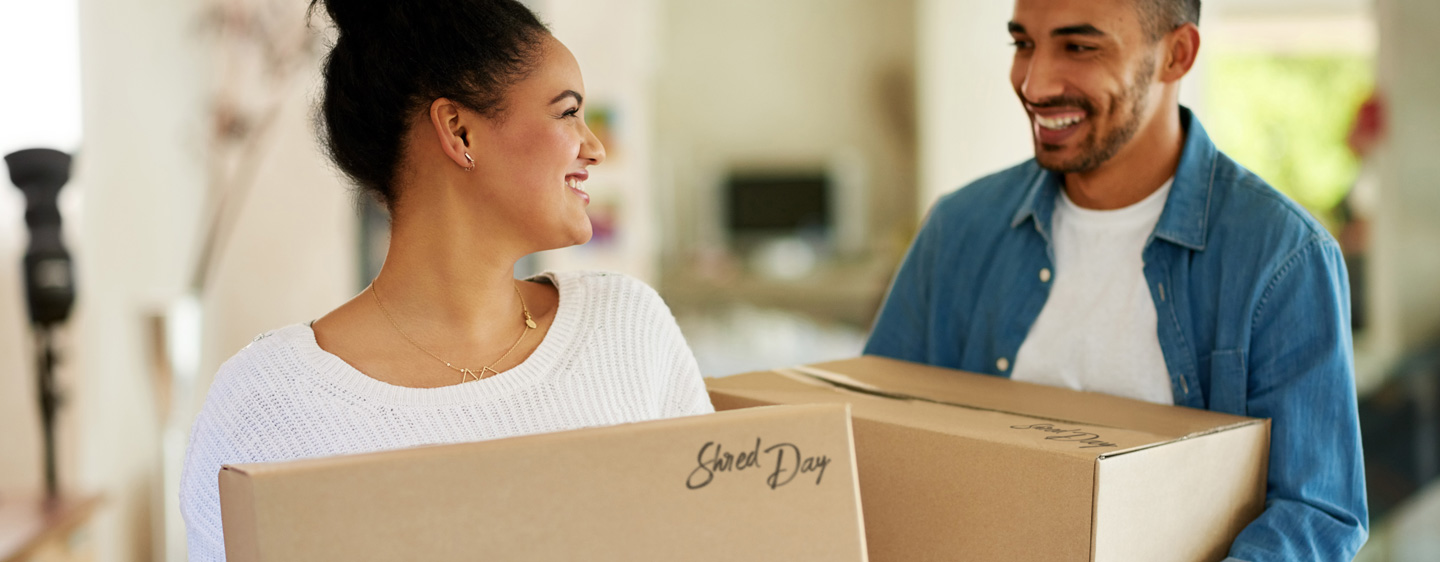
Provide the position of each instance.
(1045, 275)
(1003, 364)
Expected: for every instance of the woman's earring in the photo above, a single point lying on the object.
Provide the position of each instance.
(471, 167)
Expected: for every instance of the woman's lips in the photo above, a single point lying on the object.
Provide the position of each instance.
(576, 183)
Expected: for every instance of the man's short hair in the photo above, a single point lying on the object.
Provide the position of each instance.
(1163, 16)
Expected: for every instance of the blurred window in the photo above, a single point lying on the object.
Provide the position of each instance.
(40, 59)
(1286, 116)
(1282, 95)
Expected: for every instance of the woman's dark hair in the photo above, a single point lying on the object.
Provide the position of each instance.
(394, 57)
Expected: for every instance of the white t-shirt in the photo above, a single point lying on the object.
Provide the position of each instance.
(613, 355)
(1097, 331)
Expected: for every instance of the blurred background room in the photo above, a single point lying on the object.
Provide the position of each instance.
(769, 162)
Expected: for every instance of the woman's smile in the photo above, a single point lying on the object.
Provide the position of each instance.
(576, 183)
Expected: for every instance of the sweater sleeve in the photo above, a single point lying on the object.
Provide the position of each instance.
(221, 434)
(684, 394)
(209, 448)
(681, 387)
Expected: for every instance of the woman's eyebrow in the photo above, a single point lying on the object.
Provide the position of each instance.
(579, 99)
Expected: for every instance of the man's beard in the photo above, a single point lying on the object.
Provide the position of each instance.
(1094, 151)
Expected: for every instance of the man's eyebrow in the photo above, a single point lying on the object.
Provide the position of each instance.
(1017, 28)
(1082, 29)
(579, 99)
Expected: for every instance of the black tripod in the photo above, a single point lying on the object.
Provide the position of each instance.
(49, 277)
(50, 402)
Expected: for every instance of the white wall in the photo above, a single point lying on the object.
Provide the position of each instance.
(971, 124)
(293, 255)
(1406, 262)
(142, 174)
(796, 84)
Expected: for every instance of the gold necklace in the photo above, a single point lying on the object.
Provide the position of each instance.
(465, 374)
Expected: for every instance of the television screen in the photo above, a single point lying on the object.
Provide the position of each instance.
(778, 203)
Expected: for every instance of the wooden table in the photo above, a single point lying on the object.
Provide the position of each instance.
(34, 530)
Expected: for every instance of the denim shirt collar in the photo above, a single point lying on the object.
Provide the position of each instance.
(1186, 216)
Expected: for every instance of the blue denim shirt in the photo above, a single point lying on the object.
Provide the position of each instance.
(1253, 316)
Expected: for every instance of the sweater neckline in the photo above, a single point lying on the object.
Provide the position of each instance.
(541, 363)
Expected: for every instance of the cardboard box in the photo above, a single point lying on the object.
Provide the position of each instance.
(758, 484)
(959, 466)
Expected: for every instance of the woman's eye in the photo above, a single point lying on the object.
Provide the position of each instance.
(571, 112)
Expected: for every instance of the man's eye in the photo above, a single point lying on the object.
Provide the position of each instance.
(1080, 48)
(1022, 44)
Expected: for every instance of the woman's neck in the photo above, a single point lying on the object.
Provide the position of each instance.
(438, 277)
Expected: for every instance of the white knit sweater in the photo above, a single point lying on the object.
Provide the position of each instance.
(613, 355)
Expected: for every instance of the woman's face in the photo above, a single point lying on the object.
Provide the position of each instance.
(531, 161)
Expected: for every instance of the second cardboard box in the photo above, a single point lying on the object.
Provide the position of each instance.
(959, 466)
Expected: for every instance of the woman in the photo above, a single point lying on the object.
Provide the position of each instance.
(466, 118)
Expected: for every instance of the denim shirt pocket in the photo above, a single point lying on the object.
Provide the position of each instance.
(1228, 382)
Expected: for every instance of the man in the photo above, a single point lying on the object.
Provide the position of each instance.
(1131, 257)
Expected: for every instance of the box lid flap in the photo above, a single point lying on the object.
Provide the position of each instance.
(1047, 434)
(959, 388)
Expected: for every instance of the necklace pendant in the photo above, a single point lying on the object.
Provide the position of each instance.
(529, 323)
(467, 374)
(484, 370)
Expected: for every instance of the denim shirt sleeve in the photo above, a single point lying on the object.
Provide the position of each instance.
(1301, 376)
(901, 329)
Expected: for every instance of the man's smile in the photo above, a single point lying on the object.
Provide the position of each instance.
(1054, 126)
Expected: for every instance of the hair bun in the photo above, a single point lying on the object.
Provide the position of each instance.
(361, 17)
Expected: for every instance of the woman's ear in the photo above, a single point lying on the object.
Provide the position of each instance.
(451, 129)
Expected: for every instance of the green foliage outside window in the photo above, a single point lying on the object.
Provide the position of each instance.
(1285, 117)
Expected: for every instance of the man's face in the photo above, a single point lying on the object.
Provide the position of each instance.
(1084, 70)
